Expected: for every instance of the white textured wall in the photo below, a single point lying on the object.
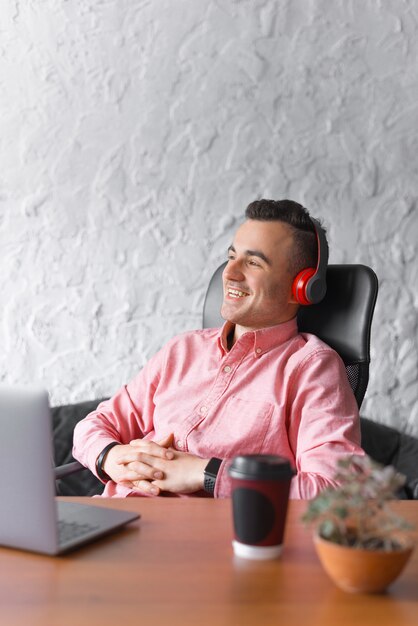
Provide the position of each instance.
(133, 133)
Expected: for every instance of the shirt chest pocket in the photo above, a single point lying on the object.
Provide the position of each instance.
(240, 426)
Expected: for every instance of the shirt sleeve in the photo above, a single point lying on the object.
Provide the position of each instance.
(323, 422)
(126, 416)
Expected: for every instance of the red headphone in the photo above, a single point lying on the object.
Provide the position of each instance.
(310, 285)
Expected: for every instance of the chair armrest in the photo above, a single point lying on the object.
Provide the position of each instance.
(70, 481)
(411, 489)
(69, 468)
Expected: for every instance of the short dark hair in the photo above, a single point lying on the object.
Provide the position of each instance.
(297, 217)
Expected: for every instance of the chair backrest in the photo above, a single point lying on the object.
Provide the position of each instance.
(342, 320)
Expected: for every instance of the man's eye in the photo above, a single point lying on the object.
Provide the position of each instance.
(252, 262)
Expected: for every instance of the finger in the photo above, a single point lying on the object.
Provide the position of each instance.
(146, 455)
(129, 456)
(127, 483)
(134, 454)
(138, 471)
(167, 442)
(160, 484)
(142, 486)
(152, 448)
(145, 486)
(132, 474)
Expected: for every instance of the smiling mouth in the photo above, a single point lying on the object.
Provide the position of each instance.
(236, 293)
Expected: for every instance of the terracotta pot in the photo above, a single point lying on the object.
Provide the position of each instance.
(361, 571)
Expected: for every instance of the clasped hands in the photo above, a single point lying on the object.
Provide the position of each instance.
(150, 467)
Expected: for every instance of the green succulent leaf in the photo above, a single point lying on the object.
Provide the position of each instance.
(356, 512)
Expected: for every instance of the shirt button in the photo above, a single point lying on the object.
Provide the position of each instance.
(179, 444)
(203, 410)
(258, 350)
(227, 369)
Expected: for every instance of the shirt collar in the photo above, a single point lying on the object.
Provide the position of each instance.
(261, 340)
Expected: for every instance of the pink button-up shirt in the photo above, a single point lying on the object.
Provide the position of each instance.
(276, 391)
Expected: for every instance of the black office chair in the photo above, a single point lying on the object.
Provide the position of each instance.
(343, 319)
(64, 420)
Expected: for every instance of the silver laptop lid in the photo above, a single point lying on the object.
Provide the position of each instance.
(27, 488)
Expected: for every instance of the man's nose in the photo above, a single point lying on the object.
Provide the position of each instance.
(233, 270)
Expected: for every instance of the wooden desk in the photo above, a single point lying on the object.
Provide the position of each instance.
(176, 566)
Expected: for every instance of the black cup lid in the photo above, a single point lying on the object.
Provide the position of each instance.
(261, 466)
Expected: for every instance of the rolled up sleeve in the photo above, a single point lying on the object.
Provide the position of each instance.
(324, 423)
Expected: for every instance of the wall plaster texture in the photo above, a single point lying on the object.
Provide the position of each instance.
(133, 133)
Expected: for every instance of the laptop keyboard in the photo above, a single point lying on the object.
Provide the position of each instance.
(67, 531)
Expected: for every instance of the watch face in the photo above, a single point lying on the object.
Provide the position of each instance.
(210, 473)
(212, 468)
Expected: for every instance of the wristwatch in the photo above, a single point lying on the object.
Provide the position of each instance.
(210, 473)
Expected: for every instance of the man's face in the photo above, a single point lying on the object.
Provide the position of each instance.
(256, 280)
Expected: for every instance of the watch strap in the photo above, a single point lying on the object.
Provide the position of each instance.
(100, 461)
(210, 473)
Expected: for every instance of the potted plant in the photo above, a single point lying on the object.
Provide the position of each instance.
(361, 543)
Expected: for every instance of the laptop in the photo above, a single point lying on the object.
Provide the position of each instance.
(31, 518)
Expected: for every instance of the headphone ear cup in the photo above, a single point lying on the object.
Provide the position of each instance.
(300, 285)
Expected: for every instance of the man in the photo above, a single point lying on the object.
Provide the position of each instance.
(254, 386)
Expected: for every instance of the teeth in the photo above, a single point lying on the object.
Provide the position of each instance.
(235, 293)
